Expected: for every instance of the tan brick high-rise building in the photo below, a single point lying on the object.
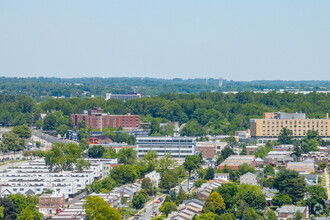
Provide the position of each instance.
(271, 125)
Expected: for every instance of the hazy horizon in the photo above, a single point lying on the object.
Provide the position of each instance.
(240, 41)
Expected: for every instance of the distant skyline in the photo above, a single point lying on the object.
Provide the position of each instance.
(236, 40)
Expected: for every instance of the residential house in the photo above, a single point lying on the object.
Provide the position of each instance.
(249, 178)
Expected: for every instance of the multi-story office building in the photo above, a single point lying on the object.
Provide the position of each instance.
(179, 147)
(123, 96)
(96, 119)
(269, 128)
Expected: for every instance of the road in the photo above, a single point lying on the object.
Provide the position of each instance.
(326, 175)
(76, 198)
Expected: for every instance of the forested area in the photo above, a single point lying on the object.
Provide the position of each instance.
(44, 88)
(206, 113)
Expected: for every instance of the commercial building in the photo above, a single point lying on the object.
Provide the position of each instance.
(124, 97)
(178, 147)
(269, 128)
(96, 119)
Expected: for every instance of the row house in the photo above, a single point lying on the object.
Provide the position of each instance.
(187, 210)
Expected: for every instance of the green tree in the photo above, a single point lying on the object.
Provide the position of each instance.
(64, 157)
(227, 216)
(26, 214)
(226, 152)
(12, 142)
(181, 196)
(193, 128)
(172, 195)
(154, 127)
(269, 170)
(199, 182)
(62, 129)
(96, 151)
(150, 158)
(127, 156)
(49, 122)
(168, 180)
(316, 199)
(214, 203)
(22, 131)
(124, 174)
(84, 144)
(167, 208)
(271, 215)
(285, 136)
(289, 182)
(298, 215)
(110, 153)
(209, 175)
(228, 191)
(246, 212)
(281, 199)
(98, 209)
(243, 152)
(147, 185)
(191, 163)
(138, 201)
(9, 211)
(165, 163)
(1, 212)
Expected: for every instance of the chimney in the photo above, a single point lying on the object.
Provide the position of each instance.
(327, 116)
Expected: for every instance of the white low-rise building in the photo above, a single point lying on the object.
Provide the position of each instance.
(154, 177)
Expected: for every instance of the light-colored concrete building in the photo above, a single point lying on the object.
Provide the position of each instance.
(178, 147)
(269, 128)
(154, 177)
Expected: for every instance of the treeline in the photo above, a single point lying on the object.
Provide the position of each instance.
(42, 88)
(212, 113)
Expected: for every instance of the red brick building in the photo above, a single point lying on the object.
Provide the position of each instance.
(96, 119)
(50, 204)
(207, 149)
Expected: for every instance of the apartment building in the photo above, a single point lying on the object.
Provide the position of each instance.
(178, 147)
(96, 119)
(33, 177)
(207, 149)
(50, 204)
(269, 128)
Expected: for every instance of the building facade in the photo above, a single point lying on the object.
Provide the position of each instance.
(269, 128)
(51, 204)
(123, 96)
(96, 119)
(249, 178)
(178, 147)
(207, 149)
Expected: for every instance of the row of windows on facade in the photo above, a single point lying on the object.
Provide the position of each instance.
(167, 141)
(166, 151)
(295, 122)
(168, 147)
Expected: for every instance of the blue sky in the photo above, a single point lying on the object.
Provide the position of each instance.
(238, 40)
